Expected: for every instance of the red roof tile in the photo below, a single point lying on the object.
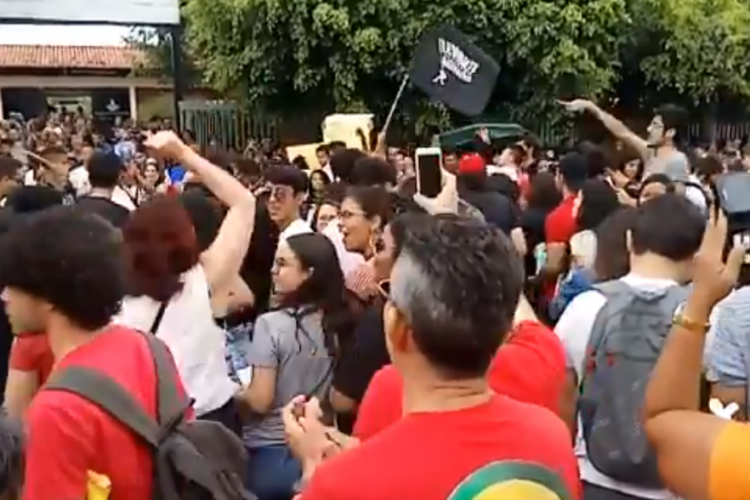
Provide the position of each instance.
(67, 57)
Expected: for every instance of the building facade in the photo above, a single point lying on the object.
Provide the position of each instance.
(98, 79)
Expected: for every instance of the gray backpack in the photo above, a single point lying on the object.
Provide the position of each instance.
(626, 340)
(193, 459)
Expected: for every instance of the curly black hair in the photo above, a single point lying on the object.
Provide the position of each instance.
(71, 259)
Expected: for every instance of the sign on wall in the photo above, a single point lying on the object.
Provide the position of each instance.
(127, 12)
(108, 104)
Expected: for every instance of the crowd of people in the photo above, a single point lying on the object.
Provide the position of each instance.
(188, 323)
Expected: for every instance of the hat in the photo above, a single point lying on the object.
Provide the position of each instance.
(471, 164)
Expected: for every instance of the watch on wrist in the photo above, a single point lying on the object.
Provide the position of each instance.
(689, 324)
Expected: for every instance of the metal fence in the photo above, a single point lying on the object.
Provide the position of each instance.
(225, 124)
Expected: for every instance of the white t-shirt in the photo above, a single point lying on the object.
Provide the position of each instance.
(79, 179)
(296, 227)
(695, 194)
(196, 342)
(583, 248)
(329, 171)
(574, 330)
(29, 179)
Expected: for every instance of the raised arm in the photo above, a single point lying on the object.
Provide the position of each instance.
(223, 258)
(615, 126)
(696, 451)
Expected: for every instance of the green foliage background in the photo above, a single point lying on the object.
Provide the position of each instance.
(297, 58)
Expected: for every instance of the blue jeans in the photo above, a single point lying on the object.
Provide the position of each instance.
(272, 472)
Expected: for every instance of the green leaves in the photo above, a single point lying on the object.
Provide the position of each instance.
(704, 46)
(299, 57)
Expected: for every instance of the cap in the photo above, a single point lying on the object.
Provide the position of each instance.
(471, 164)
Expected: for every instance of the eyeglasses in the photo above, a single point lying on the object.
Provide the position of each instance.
(346, 215)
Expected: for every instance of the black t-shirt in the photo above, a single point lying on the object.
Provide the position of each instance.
(116, 214)
(498, 209)
(365, 355)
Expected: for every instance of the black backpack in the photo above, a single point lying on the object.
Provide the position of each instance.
(193, 459)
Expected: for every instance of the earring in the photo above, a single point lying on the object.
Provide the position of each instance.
(373, 243)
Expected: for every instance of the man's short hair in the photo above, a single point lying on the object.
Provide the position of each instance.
(574, 170)
(679, 239)
(457, 282)
(673, 117)
(286, 175)
(53, 150)
(104, 170)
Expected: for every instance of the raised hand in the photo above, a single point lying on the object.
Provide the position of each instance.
(165, 144)
(713, 277)
(576, 105)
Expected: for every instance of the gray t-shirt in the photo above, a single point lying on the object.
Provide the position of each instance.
(295, 348)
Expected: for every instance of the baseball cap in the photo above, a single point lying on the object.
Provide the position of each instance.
(471, 163)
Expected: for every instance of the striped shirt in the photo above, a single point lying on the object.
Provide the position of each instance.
(727, 353)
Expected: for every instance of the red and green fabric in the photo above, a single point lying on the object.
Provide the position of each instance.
(511, 480)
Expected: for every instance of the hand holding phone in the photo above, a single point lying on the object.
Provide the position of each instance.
(429, 167)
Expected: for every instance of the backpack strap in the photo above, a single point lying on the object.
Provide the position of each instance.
(171, 406)
(157, 320)
(107, 394)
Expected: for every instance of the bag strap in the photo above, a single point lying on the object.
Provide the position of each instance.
(171, 406)
(110, 396)
(159, 316)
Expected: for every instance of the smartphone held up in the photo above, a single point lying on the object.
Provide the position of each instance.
(429, 166)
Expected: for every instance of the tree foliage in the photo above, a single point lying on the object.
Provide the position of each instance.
(297, 57)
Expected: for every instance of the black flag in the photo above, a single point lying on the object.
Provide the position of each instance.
(451, 69)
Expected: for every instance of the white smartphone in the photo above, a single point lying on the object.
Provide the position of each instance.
(429, 165)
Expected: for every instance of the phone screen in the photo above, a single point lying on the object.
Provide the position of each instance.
(429, 179)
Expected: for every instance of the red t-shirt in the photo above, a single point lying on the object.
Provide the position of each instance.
(456, 455)
(529, 367)
(68, 436)
(32, 353)
(559, 227)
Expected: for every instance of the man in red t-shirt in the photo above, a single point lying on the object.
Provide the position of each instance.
(62, 275)
(30, 364)
(529, 367)
(452, 278)
(560, 224)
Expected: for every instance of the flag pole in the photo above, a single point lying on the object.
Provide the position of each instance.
(400, 92)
